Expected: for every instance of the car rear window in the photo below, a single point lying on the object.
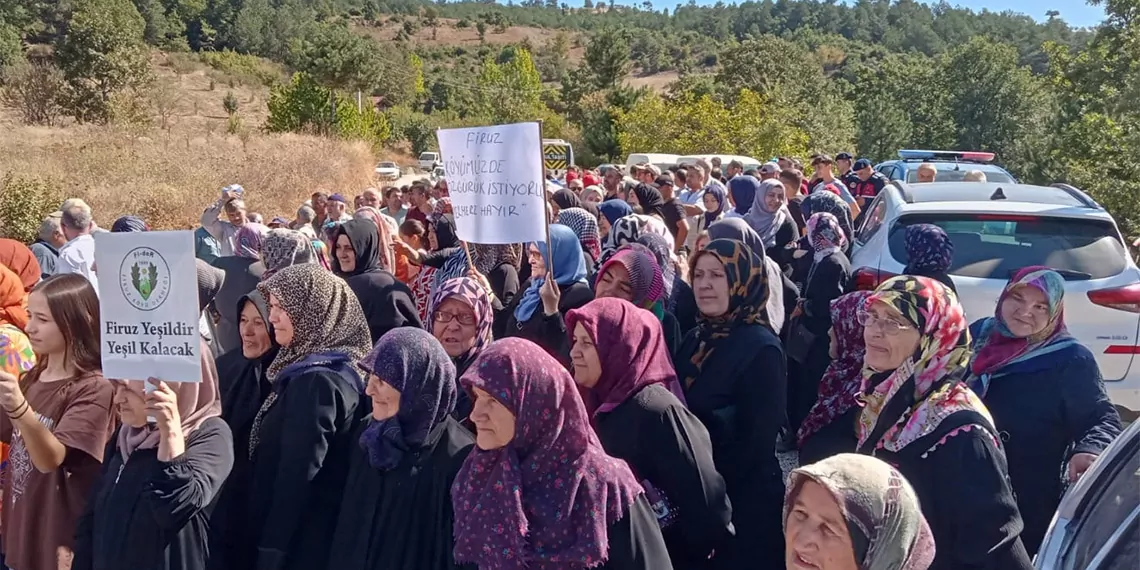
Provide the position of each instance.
(996, 245)
(948, 173)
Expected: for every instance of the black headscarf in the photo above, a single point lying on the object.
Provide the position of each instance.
(365, 242)
(241, 381)
(650, 200)
(445, 235)
(566, 199)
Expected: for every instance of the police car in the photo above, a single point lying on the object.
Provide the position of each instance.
(998, 228)
(952, 165)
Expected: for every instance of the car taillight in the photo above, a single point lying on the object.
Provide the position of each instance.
(869, 278)
(1122, 349)
(1126, 298)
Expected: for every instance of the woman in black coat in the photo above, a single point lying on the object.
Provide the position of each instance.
(632, 393)
(301, 438)
(151, 508)
(386, 302)
(243, 273)
(734, 378)
(396, 512)
(1045, 392)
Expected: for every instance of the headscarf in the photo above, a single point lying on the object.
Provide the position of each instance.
(486, 257)
(929, 250)
(472, 294)
(456, 264)
(922, 392)
(241, 379)
(569, 267)
(248, 240)
(615, 209)
(744, 190)
(646, 281)
(585, 226)
(593, 190)
(628, 230)
(129, 224)
(721, 196)
(326, 316)
(650, 200)
(384, 233)
(546, 499)
(410, 360)
(839, 387)
(767, 222)
(631, 350)
(739, 230)
(996, 347)
(210, 281)
(197, 402)
(827, 202)
(566, 199)
(747, 295)
(282, 248)
(13, 299)
(880, 507)
(17, 257)
(365, 242)
(662, 250)
(825, 235)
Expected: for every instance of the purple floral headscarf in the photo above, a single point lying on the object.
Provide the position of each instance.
(544, 500)
(410, 360)
(248, 240)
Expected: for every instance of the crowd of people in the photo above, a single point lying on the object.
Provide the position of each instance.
(377, 394)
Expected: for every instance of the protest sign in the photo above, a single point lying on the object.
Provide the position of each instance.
(148, 306)
(496, 182)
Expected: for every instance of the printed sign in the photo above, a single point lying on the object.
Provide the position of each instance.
(495, 179)
(148, 306)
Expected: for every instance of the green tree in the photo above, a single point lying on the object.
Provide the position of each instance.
(900, 103)
(607, 55)
(481, 27)
(431, 20)
(335, 56)
(102, 55)
(511, 91)
(300, 106)
(11, 46)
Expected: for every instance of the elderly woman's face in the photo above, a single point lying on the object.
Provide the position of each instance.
(282, 324)
(710, 286)
(494, 423)
(815, 534)
(584, 357)
(1025, 311)
(455, 326)
(890, 338)
(385, 398)
(537, 263)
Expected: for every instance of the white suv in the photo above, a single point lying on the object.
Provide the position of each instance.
(998, 228)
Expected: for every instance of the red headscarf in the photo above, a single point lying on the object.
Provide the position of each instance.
(13, 299)
(17, 257)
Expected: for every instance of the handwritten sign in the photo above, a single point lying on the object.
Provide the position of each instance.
(495, 179)
(148, 306)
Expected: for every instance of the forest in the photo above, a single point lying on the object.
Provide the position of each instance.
(787, 77)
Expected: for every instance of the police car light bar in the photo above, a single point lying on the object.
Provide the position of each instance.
(969, 156)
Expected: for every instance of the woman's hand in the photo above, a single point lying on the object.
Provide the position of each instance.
(11, 397)
(1078, 464)
(408, 252)
(550, 296)
(482, 280)
(162, 405)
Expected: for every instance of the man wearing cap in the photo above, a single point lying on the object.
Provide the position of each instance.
(829, 183)
(868, 182)
(645, 173)
(843, 162)
(673, 211)
(769, 170)
(335, 209)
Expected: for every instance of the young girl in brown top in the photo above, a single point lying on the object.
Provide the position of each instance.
(57, 420)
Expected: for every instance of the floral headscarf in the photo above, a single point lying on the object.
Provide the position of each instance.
(248, 240)
(926, 384)
(487, 257)
(414, 363)
(547, 498)
(646, 281)
(585, 226)
(827, 202)
(841, 382)
(996, 347)
(929, 250)
(747, 295)
(825, 235)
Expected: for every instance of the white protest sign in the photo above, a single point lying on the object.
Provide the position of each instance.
(148, 306)
(495, 179)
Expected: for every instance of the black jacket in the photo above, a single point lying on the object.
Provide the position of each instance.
(242, 276)
(145, 514)
(387, 303)
(549, 332)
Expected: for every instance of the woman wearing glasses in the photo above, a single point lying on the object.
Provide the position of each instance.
(919, 416)
(460, 319)
(1045, 392)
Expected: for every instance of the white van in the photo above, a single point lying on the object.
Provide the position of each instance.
(428, 161)
(748, 162)
(662, 161)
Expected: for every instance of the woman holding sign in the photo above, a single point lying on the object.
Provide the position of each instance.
(57, 420)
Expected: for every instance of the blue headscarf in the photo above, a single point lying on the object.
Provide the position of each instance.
(569, 267)
(743, 189)
(614, 210)
(721, 195)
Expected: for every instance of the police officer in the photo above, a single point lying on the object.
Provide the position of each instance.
(867, 183)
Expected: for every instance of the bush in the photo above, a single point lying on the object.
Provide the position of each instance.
(245, 69)
(230, 103)
(367, 124)
(23, 204)
(33, 89)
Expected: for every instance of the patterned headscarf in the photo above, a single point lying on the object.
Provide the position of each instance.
(129, 224)
(662, 250)
(646, 282)
(747, 294)
(585, 226)
(841, 382)
(487, 257)
(929, 250)
(471, 293)
(825, 235)
(631, 350)
(545, 499)
(628, 230)
(739, 230)
(879, 506)
(248, 240)
(384, 233)
(827, 202)
(768, 222)
(928, 379)
(997, 347)
(281, 248)
(414, 363)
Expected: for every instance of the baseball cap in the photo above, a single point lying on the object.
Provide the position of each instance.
(769, 168)
(861, 164)
(653, 169)
(663, 181)
(843, 156)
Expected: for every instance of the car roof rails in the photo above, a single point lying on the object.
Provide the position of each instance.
(1077, 194)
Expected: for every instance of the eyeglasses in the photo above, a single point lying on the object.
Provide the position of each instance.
(889, 327)
(464, 319)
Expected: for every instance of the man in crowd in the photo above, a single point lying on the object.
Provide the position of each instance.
(78, 254)
(735, 168)
(843, 162)
(394, 204)
(829, 183)
(306, 219)
(336, 209)
(792, 180)
(769, 170)
(236, 216)
(256, 218)
(421, 204)
(318, 201)
(371, 198)
(673, 212)
(48, 241)
(680, 177)
(612, 184)
(645, 173)
(926, 172)
(868, 183)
